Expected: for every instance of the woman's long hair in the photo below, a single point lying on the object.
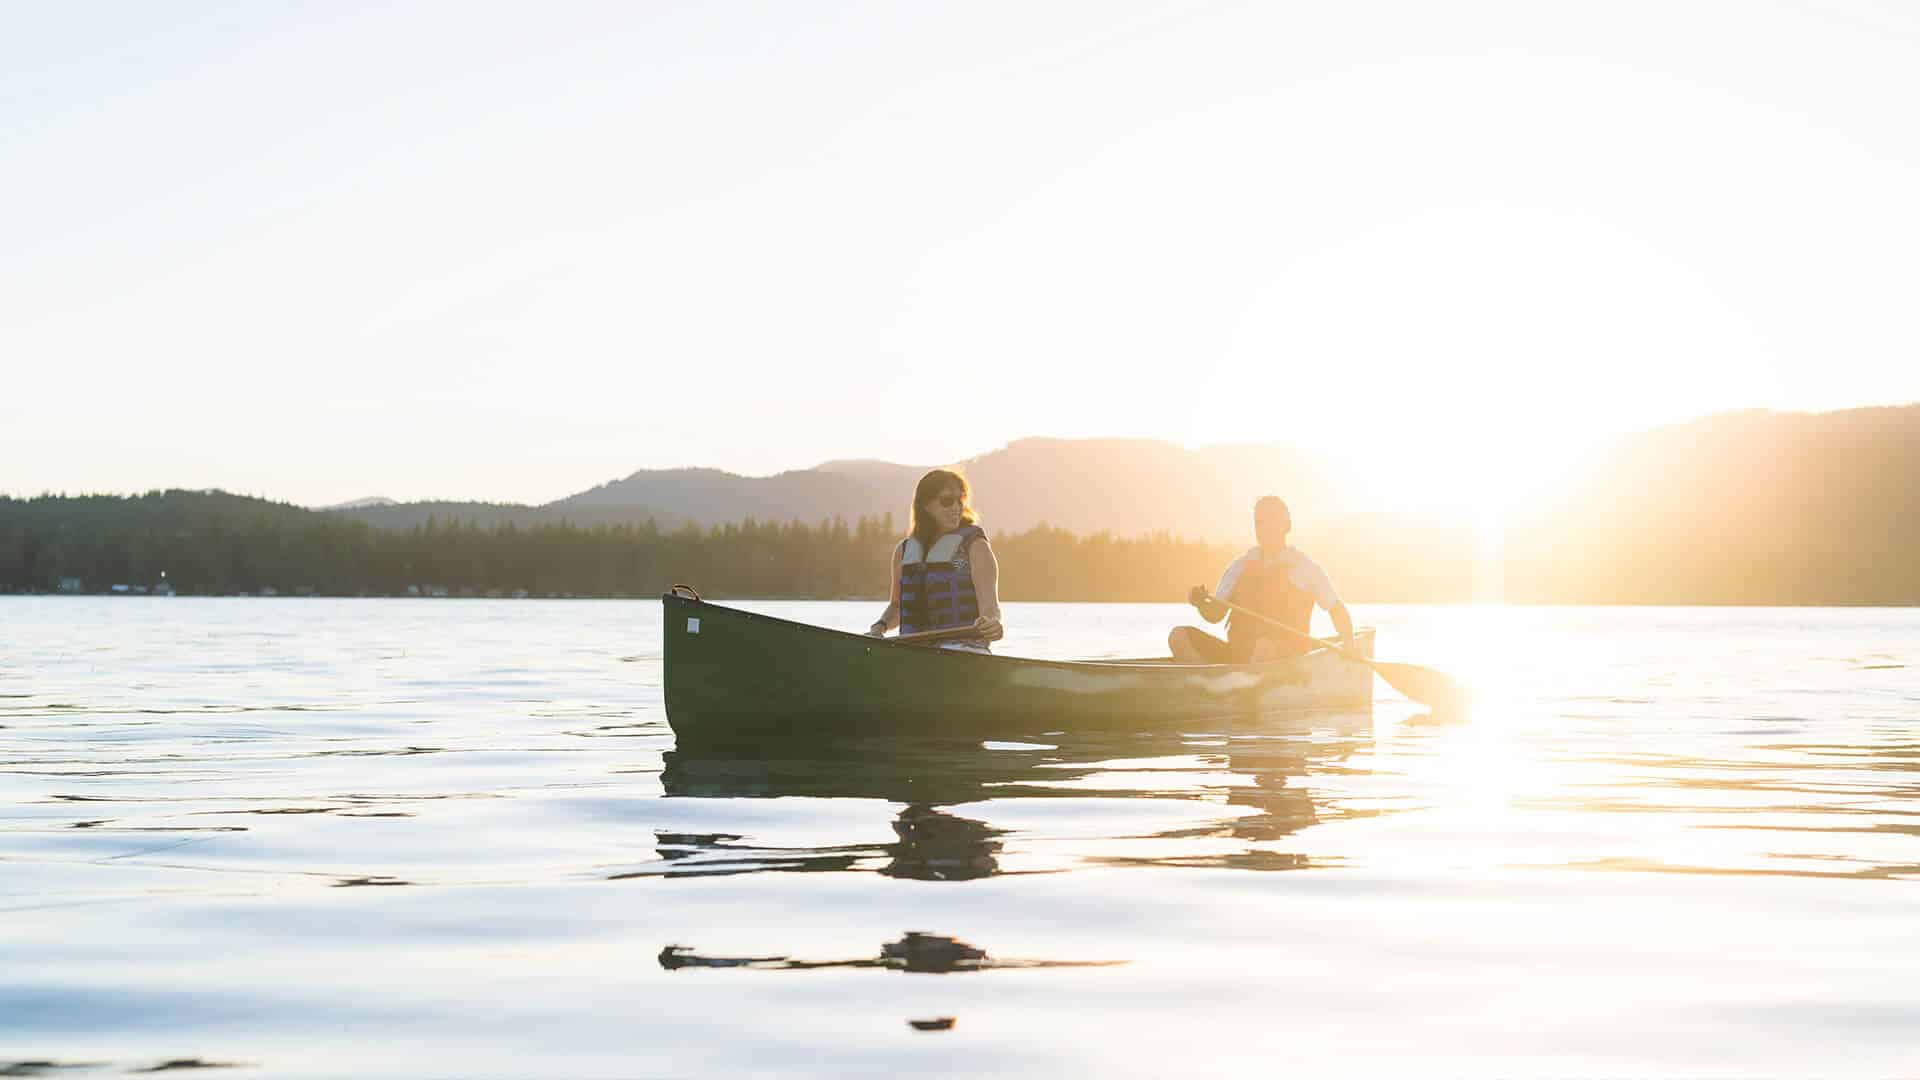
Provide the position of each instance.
(924, 528)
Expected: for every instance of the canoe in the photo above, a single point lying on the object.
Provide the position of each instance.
(733, 675)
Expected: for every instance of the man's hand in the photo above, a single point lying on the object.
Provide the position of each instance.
(1198, 597)
(989, 628)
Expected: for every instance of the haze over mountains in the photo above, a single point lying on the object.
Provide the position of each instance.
(1124, 486)
(1733, 466)
(1750, 507)
(1744, 508)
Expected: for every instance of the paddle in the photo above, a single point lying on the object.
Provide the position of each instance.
(928, 637)
(1434, 689)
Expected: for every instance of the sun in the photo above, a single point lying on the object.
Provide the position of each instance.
(1464, 358)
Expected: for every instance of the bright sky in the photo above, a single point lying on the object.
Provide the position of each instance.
(508, 251)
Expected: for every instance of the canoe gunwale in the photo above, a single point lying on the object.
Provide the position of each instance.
(1154, 663)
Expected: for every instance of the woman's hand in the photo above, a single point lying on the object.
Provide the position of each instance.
(989, 628)
(878, 629)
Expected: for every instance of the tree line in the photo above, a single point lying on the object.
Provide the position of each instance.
(212, 543)
(1664, 530)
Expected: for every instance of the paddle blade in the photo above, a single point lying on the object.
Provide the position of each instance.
(1434, 689)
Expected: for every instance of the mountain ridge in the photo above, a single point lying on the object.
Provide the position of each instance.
(1781, 472)
(1065, 483)
(1751, 508)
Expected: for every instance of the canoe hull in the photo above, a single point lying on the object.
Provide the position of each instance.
(733, 674)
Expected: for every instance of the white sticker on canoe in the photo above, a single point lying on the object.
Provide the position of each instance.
(693, 626)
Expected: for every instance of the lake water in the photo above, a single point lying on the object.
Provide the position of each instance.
(447, 838)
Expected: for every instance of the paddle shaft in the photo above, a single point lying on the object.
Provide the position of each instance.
(966, 631)
(1284, 628)
(1434, 689)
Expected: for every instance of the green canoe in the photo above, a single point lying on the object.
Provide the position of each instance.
(733, 675)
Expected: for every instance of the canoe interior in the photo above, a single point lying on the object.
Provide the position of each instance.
(733, 675)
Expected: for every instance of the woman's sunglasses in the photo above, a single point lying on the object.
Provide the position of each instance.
(948, 501)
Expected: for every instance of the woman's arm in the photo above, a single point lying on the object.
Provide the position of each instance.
(890, 617)
(986, 586)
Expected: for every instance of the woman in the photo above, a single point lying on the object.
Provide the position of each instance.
(944, 574)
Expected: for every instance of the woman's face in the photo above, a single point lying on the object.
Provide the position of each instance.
(944, 508)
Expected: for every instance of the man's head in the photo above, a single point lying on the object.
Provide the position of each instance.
(1272, 521)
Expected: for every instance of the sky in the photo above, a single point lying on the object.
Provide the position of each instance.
(505, 251)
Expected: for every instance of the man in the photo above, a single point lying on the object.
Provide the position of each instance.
(1273, 579)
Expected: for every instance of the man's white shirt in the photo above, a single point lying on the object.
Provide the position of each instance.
(1305, 574)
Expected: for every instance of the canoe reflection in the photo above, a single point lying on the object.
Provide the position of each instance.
(1263, 775)
(909, 770)
(933, 845)
(916, 952)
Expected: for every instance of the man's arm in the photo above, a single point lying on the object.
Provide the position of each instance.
(1209, 606)
(1329, 598)
(1210, 609)
(1343, 622)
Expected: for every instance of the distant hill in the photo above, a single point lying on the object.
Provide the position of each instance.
(1124, 486)
(1742, 508)
(486, 515)
(1134, 486)
(159, 512)
(710, 496)
(1750, 507)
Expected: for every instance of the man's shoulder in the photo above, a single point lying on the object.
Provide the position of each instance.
(1305, 562)
(1231, 575)
(1310, 575)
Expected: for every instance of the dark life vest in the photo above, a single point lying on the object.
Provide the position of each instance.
(936, 585)
(1267, 587)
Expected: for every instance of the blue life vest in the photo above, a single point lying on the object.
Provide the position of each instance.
(936, 585)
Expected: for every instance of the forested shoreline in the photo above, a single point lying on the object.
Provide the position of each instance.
(1827, 545)
(214, 544)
